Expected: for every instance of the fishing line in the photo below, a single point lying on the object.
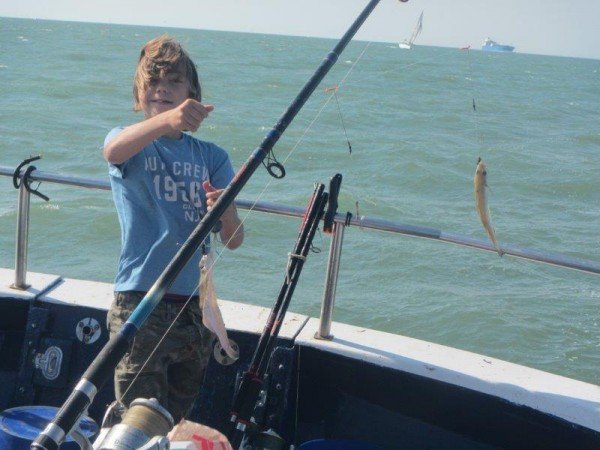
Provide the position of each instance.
(318, 114)
(479, 136)
(311, 123)
(334, 96)
(334, 89)
(470, 78)
(348, 188)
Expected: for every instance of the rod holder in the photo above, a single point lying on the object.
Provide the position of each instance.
(22, 238)
(333, 268)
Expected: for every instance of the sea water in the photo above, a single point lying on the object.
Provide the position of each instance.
(416, 121)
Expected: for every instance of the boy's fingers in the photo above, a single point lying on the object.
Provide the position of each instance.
(196, 105)
(208, 187)
(197, 114)
(196, 117)
(192, 125)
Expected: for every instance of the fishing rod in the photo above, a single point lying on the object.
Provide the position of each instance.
(103, 365)
(252, 380)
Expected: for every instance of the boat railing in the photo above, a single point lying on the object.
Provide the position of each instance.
(23, 177)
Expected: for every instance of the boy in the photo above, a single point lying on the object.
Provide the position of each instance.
(163, 182)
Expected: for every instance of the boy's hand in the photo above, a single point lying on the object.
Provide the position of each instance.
(188, 116)
(232, 229)
(212, 194)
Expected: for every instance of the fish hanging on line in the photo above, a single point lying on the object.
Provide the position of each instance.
(211, 314)
(481, 205)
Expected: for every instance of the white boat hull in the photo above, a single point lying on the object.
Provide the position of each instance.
(364, 385)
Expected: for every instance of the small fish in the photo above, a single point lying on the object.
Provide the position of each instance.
(480, 182)
(211, 314)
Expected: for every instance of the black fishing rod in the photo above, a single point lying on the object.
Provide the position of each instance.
(311, 218)
(310, 225)
(252, 380)
(103, 365)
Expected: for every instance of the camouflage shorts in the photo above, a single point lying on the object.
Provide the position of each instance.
(173, 374)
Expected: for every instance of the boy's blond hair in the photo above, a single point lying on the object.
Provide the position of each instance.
(159, 57)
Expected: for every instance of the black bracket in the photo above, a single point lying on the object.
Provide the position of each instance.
(25, 178)
(332, 204)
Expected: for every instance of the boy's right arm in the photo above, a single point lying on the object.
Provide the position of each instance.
(132, 140)
(185, 117)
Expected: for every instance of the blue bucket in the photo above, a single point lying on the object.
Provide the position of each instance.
(337, 444)
(20, 426)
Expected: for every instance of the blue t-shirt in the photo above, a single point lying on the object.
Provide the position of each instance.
(159, 199)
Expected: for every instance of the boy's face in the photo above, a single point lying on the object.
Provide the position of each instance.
(165, 93)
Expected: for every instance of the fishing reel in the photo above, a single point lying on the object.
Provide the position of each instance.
(144, 426)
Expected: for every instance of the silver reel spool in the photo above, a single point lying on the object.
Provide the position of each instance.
(144, 427)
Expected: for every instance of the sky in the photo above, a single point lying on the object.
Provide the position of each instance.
(548, 27)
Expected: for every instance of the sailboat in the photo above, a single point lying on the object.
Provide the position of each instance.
(408, 43)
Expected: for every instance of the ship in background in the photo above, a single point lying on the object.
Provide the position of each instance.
(492, 46)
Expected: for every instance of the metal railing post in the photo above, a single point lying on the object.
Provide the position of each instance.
(333, 267)
(22, 238)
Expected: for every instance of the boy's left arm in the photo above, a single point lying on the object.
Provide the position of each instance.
(232, 229)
